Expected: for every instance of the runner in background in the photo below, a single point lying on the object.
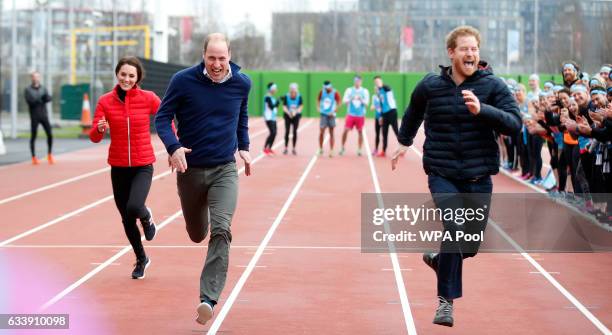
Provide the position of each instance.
(389, 111)
(270, 112)
(356, 99)
(292, 113)
(328, 101)
(376, 107)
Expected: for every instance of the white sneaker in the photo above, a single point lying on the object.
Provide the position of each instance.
(205, 313)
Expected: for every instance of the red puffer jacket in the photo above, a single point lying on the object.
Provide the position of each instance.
(129, 126)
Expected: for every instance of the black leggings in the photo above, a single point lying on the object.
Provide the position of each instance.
(130, 187)
(569, 159)
(34, 122)
(389, 119)
(585, 168)
(270, 140)
(510, 150)
(291, 122)
(377, 128)
(536, 156)
(553, 150)
(523, 152)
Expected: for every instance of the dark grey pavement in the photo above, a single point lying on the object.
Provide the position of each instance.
(18, 150)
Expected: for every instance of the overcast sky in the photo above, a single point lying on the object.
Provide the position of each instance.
(233, 11)
(229, 12)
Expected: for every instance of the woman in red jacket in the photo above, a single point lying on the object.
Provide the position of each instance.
(125, 111)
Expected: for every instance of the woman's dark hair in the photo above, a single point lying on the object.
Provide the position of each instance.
(564, 90)
(133, 61)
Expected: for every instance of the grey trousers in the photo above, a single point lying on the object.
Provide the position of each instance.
(208, 199)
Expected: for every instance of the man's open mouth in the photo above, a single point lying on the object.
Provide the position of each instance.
(469, 64)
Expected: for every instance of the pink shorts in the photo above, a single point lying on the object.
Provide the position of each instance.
(354, 121)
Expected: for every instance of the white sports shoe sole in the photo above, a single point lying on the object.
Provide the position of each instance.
(153, 223)
(144, 273)
(205, 313)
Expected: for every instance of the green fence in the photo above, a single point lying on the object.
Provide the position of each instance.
(71, 103)
(310, 84)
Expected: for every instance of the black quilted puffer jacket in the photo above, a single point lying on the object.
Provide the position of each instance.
(459, 145)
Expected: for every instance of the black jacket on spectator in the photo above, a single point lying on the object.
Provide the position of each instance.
(603, 134)
(37, 98)
(584, 112)
(568, 84)
(459, 145)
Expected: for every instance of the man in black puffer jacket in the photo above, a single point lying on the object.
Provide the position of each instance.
(462, 107)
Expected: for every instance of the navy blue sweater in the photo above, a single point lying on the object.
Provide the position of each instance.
(212, 118)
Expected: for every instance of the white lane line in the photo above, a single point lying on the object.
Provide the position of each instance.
(257, 266)
(399, 279)
(85, 175)
(416, 151)
(97, 203)
(50, 186)
(55, 221)
(551, 272)
(261, 132)
(100, 267)
(61, 246)
(68, 215)
(595, 321)
(125, 249)
(549, 277)
(60, 183)
(269, 249)
(214, 328)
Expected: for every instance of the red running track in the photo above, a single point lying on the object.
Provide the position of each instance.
(295, 267)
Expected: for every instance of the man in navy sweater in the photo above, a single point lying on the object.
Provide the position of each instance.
(209, 101)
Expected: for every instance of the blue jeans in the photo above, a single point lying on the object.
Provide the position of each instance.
(453, 194)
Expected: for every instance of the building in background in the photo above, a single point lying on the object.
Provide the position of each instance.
(508, 29)
(408, 35)
(344, 35)
(185, 40)
(355, 41)
(44, 43)
(249, 47)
